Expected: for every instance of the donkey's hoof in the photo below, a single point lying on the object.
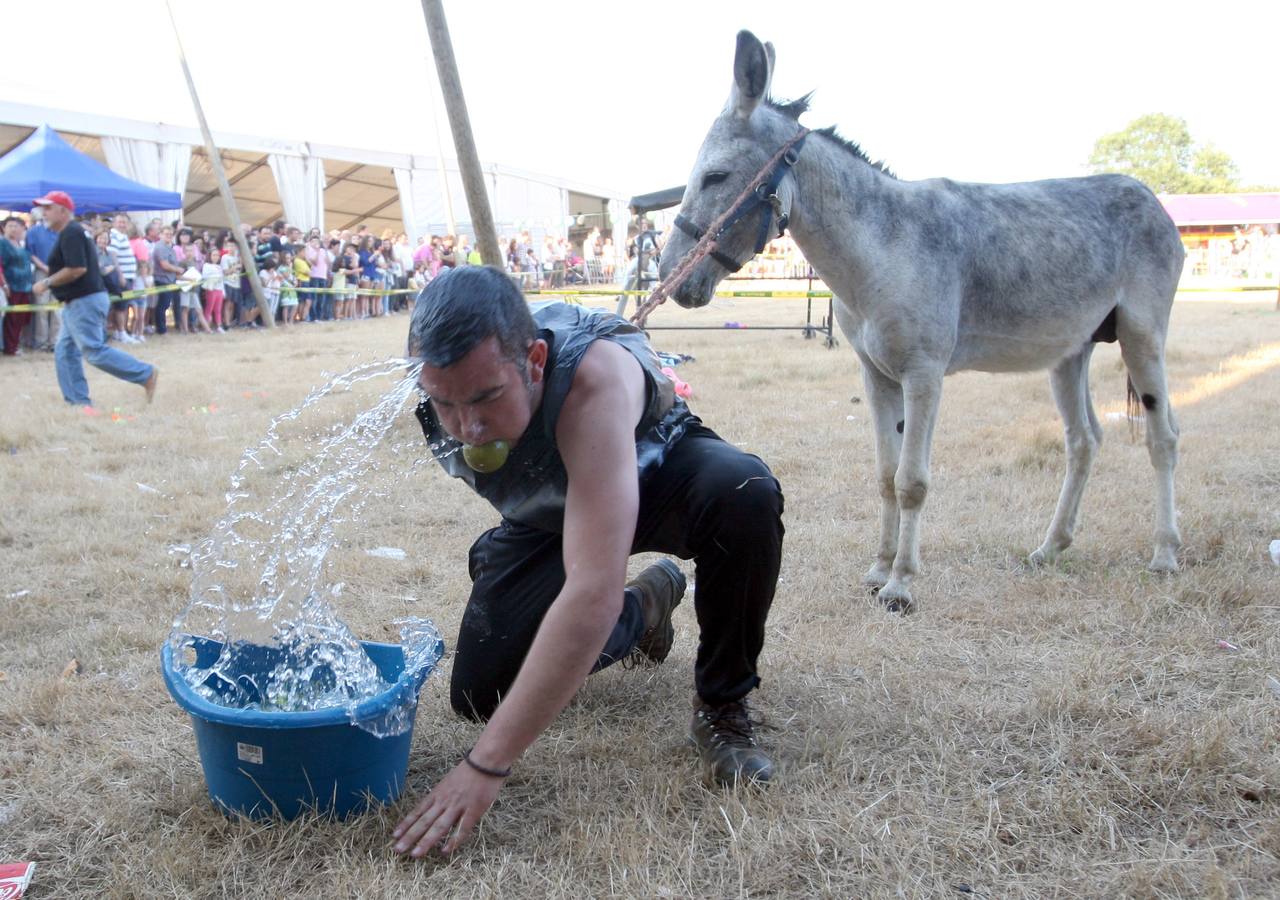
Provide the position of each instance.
(1039, 558)
(1163, 560)
(1047, 553)
(896, 600)
(901, 605)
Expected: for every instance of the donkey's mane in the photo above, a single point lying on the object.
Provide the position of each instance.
(794, 109)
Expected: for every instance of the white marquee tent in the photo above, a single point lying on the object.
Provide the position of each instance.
(322, 185)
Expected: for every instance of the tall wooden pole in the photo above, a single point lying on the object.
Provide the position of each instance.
(444, 176)
(460, 125)
(224, 188)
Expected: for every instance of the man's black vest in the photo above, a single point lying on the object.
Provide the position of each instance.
(530, 488)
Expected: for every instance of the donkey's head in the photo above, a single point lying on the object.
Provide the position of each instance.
(743, 139)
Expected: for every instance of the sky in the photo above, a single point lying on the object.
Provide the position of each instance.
(620, 95)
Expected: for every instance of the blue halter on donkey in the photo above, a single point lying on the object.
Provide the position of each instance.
(764, 198)
(934, 277)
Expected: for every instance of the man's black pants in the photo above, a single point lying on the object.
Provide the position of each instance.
(709, 502)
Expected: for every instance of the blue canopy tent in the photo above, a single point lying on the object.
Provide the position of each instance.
(45, 162)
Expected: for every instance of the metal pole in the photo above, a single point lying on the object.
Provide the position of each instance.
(228, 201)
(463, 142)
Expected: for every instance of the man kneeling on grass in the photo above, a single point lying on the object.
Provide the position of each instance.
(561, 418)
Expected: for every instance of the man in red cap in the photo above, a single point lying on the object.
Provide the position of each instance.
(75, 281)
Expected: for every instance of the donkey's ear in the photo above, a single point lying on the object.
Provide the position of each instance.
(752, 68)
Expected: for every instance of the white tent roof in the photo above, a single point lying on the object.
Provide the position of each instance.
(359, 184)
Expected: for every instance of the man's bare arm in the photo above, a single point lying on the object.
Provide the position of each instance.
(596, 437)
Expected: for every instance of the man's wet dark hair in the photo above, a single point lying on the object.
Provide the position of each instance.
(461, 308)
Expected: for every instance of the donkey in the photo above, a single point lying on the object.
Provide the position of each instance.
(934, 277)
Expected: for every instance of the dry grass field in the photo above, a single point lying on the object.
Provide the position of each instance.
(1075, 732)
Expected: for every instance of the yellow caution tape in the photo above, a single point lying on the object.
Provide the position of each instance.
(815, 295)
(561, 292)
(1229, 290)
(586, 292)
(191, 285)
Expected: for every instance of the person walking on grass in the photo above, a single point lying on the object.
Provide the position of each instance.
(604, 461)
(76, 282)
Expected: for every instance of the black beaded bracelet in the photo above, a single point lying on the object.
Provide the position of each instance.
(485, 770)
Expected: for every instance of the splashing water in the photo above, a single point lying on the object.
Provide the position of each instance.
(258, 580)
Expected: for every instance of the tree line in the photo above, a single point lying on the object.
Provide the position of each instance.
(1158, 150)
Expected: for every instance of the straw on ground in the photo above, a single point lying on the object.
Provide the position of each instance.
(1075, 732)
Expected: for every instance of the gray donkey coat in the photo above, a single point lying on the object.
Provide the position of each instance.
(933, 277)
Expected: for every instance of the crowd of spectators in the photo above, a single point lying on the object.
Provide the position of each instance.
(1251, 253)
(341, 275)
(354, 274)
(306, 277)
(558, 262)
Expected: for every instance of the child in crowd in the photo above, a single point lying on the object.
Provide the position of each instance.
(532, 269)
(141, 281)
(109, 269)
(349, 263)
(249, 312)
(338, 285)
(389, 268)
(189, 303)
(302, 279)
(269, 275)
(288, 290)
(230, 263)
(189, 282)
(418, 280)
(211, 275)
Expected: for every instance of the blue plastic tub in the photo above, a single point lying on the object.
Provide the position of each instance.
(263, 764)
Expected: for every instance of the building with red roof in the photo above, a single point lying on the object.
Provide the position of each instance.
(1232, 235)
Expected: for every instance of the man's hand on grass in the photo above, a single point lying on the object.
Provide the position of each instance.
(448, 815)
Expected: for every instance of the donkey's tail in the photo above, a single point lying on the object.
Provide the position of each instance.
(1134, 411)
